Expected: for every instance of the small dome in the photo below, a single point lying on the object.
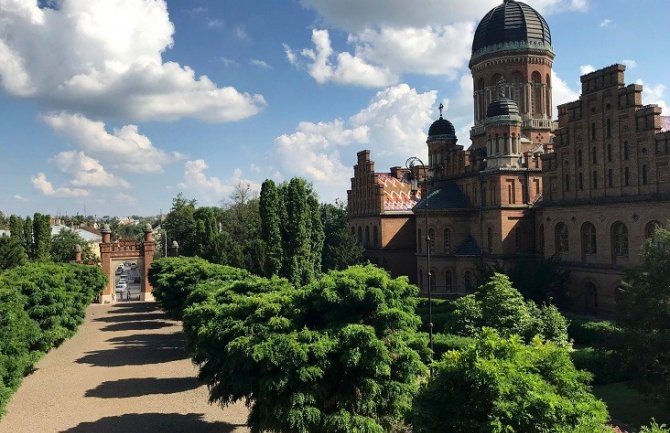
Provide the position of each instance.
(148, 228)
(511, 21)
(442, 127)
(106, 229)
(502, 107)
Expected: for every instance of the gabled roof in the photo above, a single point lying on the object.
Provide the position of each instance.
(469, 248)
(397, 193)
(446, 196)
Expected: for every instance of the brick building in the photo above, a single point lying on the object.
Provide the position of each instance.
(588, 188)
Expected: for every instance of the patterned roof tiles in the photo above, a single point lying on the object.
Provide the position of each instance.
(397, 193)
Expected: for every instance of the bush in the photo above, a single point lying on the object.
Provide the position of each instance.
(41, 304)
(340, 354)
(443, 343)
(606, 366)
(655, 428)
(500, 306)
(174, 278)
(502, 385)
(601, 334)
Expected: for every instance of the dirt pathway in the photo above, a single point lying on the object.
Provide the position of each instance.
(124, 372)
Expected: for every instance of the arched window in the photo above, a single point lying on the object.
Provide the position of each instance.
(360, 235)
(447, 241)
(620, 239)
(579, 157)
(588, 239)
(561, 238)
(419, 242)
(375, 236)
(609, 152)
(489, 240)
(537, 93)
(448, 281)
(625, 150)
(650, 229)
(590, 296)
(431, 241)
(468, 281)
(594, 155)
(367, 236)
(540, 239)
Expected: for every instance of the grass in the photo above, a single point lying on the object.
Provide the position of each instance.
(629, 406)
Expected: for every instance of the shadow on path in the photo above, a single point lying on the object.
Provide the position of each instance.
(135, 326)
(126, 388)
(138, 349)
(153, 423)
(134, 307)
(123, 318)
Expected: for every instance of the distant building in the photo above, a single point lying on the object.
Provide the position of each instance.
(588, 189)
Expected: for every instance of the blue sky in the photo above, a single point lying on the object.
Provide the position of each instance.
(113, 107)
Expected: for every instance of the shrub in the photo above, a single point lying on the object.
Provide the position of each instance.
(502, 385)
(443, 343)
(340, 354)
(601, 334)
(606, 366)
(500, 306)
(655, 428)
(174, 278)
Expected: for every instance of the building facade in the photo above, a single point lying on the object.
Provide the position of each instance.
(588, 189)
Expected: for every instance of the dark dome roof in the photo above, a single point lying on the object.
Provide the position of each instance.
(442, 127)
(502, 107)
(511, 21)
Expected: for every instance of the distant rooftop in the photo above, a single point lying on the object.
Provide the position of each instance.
(87, 235)
(665, 123)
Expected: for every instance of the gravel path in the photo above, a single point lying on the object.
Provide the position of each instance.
(124, 372)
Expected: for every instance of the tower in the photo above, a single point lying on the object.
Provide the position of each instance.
(513, 43)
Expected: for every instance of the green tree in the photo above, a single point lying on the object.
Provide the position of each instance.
(500, 306)
(28, 236)
(12, 253)
(271, 227)
(16, 228)
(338, 355)
(206, 232)
(180, 225)
(63, 247)
(499, 385)
(41, 236)
(644, 309)
(340, 248)
(316, 233)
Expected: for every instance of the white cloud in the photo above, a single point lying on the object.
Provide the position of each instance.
(586, 69)
(291, 55)
(86, 171)
(346, 69)
(214, 23)
(357, 15)
(561, 92)
(211, 189)
(654, 94)
(254, 168)
(124, 148)
(394, 123)
(125, 199)
(20, 198)
(605, 23)
(260, 63)
(112, 63)
(630, 64)
(241, 33)
(41, 183)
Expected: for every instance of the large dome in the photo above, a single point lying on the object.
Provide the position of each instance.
(442, 128)
(511, 25)
(502, 107)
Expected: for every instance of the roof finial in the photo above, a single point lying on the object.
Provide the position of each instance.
(441, 107)
(501, 87)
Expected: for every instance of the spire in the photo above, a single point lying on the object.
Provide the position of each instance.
(441, 107)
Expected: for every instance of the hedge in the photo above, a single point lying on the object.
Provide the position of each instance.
(606, 366)
(601, 334)
(174, 278)
(41, 304)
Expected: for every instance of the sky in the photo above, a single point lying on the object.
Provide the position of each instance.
(113, 107)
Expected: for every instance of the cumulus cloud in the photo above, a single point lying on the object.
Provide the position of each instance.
(394, 123)
(260, 63)
(561, 92)
(343, 68)
(586, 69)
(86, 171)
(357, 15)
(654, 94)
(630, 64)
(126, 199)
(105, 58)
(20, 198)
(211, 189)
(123, 148)
(605, 23)
(43, 185)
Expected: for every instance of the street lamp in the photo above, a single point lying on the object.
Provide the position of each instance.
(413, 164)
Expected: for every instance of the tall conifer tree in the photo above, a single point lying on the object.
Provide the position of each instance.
(28, 236)
(271, 230)
(41, 236)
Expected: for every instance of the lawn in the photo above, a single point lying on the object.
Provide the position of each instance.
(629, 406)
